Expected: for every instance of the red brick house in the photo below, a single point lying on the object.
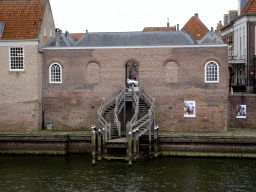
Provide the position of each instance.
(172, 66)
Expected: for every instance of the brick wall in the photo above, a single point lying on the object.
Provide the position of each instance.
(21, 91)
(73, 103)
(242, 99)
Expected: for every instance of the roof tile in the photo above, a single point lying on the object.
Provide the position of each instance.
(196, 28)
(21, 18)
(250, 7)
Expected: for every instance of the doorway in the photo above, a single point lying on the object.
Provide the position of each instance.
(132, 74)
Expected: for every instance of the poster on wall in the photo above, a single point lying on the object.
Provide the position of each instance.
(241, 111)
(189, 108)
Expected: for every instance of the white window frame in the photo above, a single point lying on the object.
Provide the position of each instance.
(45, 31)
(10, 59)
(50, 73)
(205, 72)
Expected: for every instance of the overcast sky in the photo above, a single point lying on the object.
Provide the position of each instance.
(76, 16)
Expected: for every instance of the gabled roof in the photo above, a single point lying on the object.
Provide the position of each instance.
(250, 7)
(211, 38)
(152, 38)
(65, 40)
(158, 29)
(21, 18)
(196, 28)
(76, 36)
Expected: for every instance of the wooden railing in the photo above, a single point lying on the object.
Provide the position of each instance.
(134, 127)
(102, 123)
(120, 99)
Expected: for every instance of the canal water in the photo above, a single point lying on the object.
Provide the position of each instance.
(76, 173)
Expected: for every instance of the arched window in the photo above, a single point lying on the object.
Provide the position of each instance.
(211, 72)
(55, 73)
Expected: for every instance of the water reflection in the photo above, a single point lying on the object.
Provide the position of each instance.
(75, 173)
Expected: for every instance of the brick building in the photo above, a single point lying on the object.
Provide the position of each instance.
(172, 66)
(25, 26)
(239, 32)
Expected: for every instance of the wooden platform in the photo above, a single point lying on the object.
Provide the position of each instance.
(117, 140)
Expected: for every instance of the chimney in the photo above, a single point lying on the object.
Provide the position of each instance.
(167, 21)
(239, 7)
(196, 15)
(58, 33)
(86, 31)
(177, 27)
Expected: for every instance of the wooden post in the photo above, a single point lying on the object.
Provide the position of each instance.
(67, 145)
(103, 141)
(156, 140)
(99, 145)
(109, 126)
(137, 143)
(134, 145)
(130, 147)
(93, 144)
(149, 133)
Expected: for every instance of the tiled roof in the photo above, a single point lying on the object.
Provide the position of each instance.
(158, 29)
(211, 38)
(151, 38)
(196, 28)
(21, 18)
(76, 36)
(65, 40)
(250, 7)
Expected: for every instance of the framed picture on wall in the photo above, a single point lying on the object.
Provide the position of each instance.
(240, 111)
(189, 108)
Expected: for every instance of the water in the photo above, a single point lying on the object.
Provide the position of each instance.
(75, 173)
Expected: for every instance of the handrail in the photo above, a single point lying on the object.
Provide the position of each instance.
(102, 123)
(148, 118)
(135, 105)
(117, 111)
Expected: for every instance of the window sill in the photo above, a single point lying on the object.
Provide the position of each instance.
(21, 71)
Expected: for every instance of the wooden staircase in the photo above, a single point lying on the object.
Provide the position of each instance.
(108, 133)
